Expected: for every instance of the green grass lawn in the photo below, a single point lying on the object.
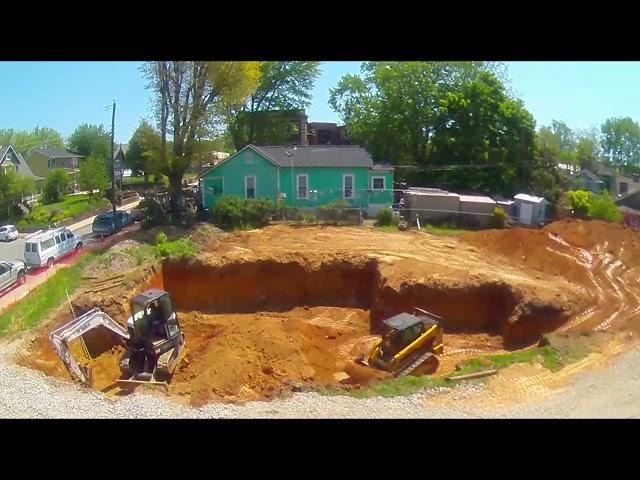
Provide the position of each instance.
(140, 180)
(553, 357)
(40, 303)
(71, 206)
(428, 228)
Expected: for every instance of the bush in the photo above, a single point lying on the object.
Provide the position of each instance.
(334, 211)
(500, 218)
(181, 248)
(579, 202)
(386, 217)
(152, 212)
(231, 212)
(309, 218)
(604, 208)
(55, 186)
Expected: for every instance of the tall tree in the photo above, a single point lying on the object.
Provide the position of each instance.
(136, 159)
(621, 142)
(23, 140)
(93, 176)
(392, 107)
(487, 134)
(91, 140)
(283, 86)
(190, 97)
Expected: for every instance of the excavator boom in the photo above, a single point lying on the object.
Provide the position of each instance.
(77, 328)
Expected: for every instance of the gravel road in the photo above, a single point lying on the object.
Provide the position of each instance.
(613, 392)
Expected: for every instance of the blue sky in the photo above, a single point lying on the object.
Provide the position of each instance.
(62, 95)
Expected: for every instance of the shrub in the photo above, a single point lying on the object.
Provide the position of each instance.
(181, 248)
(334, 211)
(500, 218)
(386, 217)
(152, 211)
(604, 208)
(55, 185)
(579, 202)
(309, 218)
(230, 212)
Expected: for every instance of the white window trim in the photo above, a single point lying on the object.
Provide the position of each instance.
(298, 186)
(353, 186)
(255, 186)
(384, 183)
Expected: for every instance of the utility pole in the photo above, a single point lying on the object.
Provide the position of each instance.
(113, 165)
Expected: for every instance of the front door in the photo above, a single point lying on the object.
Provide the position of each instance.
(526, 213)
(213, 189)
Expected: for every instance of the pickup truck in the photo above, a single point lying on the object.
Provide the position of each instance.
(11, 273)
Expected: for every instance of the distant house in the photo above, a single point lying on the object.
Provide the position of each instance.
(44, 160)
(530, 210)
(602, 178)
(585, 179)
(12, 160)
(303, 176)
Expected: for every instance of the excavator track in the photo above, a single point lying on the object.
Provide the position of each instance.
(418, 362)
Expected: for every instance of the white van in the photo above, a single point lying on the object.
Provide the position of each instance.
(45, 247)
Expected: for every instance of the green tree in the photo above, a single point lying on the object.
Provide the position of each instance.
(23, 140)
(190, 98)
(588, 151)
(283, 86)
(13, 188)
(621, 142)
(55, 185)
(480, 128)
(394, 108)
(91, 140)
(136, 159)
(93, 176)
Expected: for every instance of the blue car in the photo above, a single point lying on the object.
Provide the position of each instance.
(104, 223)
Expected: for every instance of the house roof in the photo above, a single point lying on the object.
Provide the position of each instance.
(382, 168)
(477, 199)
(56, 153)
(529, 198)
(585, 171)
(317, 156)
(124, 147)
(605, 170)
(22, 167)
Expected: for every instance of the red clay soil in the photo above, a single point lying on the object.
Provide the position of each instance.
(268, 311)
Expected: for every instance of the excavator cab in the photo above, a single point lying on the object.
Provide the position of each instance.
(155, 340)
(409, 346)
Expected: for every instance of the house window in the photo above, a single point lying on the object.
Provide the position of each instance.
(377, 183)
(624, 188)
(250, 187)
(347, 186)
(303, 187)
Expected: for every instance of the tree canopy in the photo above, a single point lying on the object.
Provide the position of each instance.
(23, 140)
(91, 140)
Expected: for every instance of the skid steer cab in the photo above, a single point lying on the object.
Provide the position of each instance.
(155, 342)
(409, 346)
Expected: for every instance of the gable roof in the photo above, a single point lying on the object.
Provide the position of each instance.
(56, 153)
(529, 198)
(317, 156)
(21, 166)
(122, 147)
(585, 171)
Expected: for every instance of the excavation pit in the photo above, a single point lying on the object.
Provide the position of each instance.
(273, 311)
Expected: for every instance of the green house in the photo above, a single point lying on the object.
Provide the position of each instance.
(302, 176)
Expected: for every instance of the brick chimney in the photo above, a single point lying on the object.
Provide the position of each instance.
(303, 128)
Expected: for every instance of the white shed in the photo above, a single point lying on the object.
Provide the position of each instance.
(530, 210)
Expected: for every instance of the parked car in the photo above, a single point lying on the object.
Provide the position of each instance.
(104, 223)
(8, 233)
(45, 247)
(12, 273)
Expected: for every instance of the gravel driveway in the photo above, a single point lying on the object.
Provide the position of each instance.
(610, 393)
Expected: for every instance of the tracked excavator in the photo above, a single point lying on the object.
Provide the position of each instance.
(153, 340)
(409, 346)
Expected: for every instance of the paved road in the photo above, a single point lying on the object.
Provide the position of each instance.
(15, 250)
